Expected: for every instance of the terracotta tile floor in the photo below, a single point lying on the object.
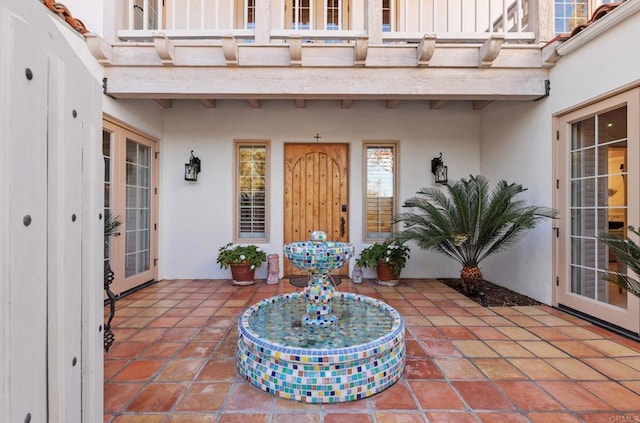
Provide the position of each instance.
(173, 361)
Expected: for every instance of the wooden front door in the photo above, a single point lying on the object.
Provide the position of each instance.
(316, 195)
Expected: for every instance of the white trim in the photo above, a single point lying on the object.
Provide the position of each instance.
(618, 15)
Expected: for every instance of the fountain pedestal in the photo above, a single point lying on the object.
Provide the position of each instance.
(319, 293)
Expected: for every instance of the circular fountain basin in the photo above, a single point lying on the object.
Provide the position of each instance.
(359, 356)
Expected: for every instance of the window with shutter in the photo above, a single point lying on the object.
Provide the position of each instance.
(380, 189)
(251, 191)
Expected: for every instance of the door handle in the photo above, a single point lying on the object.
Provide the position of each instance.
(342, 226)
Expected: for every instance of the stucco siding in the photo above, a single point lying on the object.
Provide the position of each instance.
(197, 218)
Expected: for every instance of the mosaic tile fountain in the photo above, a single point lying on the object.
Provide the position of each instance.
(321, 345)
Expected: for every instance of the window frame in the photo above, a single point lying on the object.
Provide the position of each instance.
(238, 144)
(395, 145)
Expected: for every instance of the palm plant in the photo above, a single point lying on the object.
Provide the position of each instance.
(627, 252)
(469, 223)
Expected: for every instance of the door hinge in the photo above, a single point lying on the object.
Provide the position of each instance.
(155, 191)
(557, 183)
(155, 262)
(557, 135)
(557, 232)
(557, 281)
(155, 226)
(157, 154)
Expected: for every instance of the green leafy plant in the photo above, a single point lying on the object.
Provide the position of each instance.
(111, 223)
(240, 254)
(468, 222)
(628, 253)
(390, 252)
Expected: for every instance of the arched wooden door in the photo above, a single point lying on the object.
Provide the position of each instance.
(316, 194)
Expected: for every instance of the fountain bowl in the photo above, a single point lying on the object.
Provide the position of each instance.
(326, 374)
(318, 258)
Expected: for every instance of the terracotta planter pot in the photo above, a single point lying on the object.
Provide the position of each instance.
(242, 274)
(386, 276)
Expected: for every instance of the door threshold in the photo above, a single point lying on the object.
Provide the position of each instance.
(600, 323)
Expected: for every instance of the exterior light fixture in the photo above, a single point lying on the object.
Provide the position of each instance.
(192, 168)
(439, 170)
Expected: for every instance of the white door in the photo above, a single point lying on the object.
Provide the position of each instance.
(130, 193)
(598, 172)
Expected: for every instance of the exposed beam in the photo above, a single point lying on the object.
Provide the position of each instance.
(300, 103)
(209, 104)
(316, 83)
(549, 55)
(391, 104)
(437, 104)
(360, 50)
(100, 49)
(254, 104)
(230, 50)
(164, 48)
(490, 50)
(425, 50)
(295, 50)
(346, 104)
(480, 104)
(164, 102)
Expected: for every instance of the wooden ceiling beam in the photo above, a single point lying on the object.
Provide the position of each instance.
(437, 104)
(209, 104)
(165, 103)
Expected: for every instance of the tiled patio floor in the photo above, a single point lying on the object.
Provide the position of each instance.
(173, 361)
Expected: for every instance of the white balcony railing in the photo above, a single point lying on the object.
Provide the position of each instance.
(404, 21)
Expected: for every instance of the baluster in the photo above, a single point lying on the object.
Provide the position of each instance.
(434, 16)
(519, 15)
(201, 14)
(188, 20)
(131, 14)
(490, 28)
(145, 14)
(159, 13)
(505, 15)
(174, 13)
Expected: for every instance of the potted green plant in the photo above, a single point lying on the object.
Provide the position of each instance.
(469, 221)
(388, 257)
(243, 261)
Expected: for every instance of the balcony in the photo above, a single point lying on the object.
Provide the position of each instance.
(418, 49)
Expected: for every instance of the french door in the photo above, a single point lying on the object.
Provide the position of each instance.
(130, 193)
(598, 181)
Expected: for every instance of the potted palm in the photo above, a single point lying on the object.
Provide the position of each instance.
(388, 258)
(469, 222)
(628, 254)
(243, 261)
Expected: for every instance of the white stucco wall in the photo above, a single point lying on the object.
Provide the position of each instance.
(517, 142)
(196, 218)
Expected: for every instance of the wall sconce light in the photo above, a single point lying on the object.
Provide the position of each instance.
(439, 170)
(192, 168)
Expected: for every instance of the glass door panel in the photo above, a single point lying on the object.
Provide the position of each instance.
(137, 248)
(598, 202)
